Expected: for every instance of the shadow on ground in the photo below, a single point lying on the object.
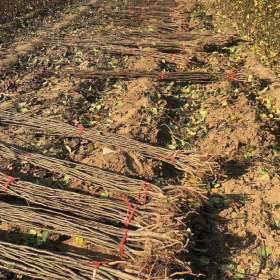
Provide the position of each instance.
(212, 248)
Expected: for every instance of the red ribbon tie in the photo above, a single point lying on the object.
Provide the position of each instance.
(130, 214)
(162, 76)
(130, 51)
(81, 129)
(172, 157)
(232, 75)
(10, 181)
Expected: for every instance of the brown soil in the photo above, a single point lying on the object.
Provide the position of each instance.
(245, 232)
(21, 48)
(231, 127)
(236, 234)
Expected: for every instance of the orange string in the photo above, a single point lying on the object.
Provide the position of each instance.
(10, 181)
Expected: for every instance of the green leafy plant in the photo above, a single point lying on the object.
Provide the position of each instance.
(264, 252)
(258, 21)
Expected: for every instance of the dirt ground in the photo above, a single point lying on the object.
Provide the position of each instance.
(235, 121)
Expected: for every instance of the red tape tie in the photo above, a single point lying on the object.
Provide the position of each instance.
(95, 264)
(130, 214)
(172, 157)
(81, 129)
(162, 76)
(10, 181)
(130, 51)
(232, 75)
(124, 237)
(98, 264)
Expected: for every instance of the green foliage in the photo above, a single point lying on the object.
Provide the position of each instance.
(258, 20)
(36, 237)
(277, 224)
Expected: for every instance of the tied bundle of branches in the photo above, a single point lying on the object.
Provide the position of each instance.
(122, 50)
(81, 205)
(180, 39)
(100, 235)
(171, 58)
(116, 241)
(121, 44)
(153, 35)
(160, 10)
(163, 25)
(163, 235)
(142, 17)
(143, 5)
(22, 259)
(173, 43)
(138, 12)
(102, 181)
(105, 238)
(189, 77)
(144, 9)
(159, 40)
(188, 161)
(147, 38)
(154, 246)
(115, 185)
(162, 45)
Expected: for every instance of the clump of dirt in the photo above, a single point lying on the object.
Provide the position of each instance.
(111, 159)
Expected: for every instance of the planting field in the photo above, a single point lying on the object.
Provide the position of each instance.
(10, 9)
(138, 141)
